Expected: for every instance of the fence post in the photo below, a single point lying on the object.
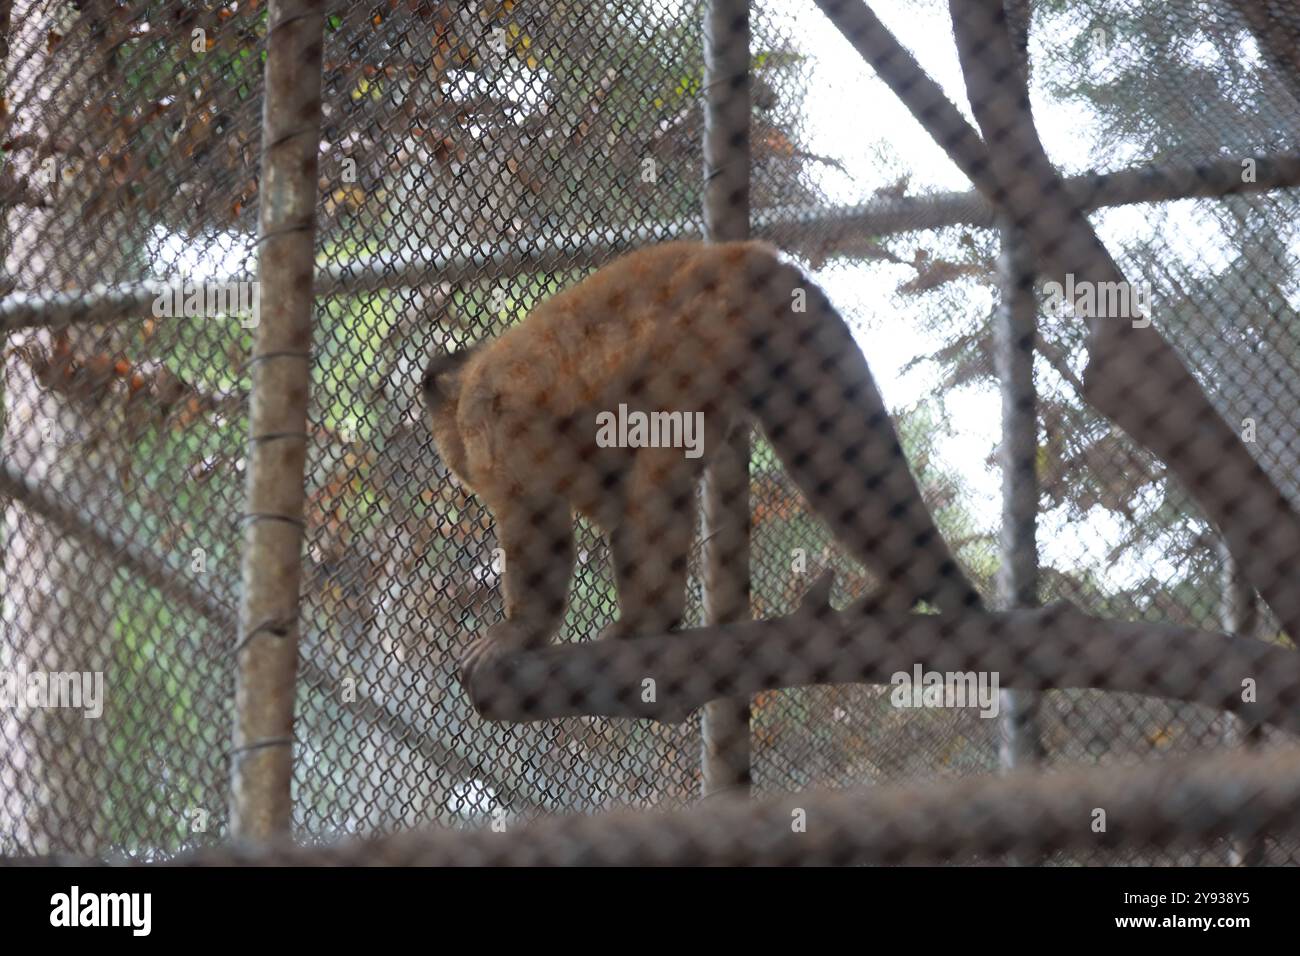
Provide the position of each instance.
(1020, 740)
(267, 650)
(1239, 617)
(1013, 333)
(724, 726)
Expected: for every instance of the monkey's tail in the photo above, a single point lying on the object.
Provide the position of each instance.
(811, 389)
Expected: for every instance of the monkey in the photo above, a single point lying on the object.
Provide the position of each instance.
(729, 333)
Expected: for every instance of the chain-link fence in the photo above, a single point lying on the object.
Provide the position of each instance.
(1052, 531)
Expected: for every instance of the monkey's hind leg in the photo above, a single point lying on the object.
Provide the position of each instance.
(651, 548)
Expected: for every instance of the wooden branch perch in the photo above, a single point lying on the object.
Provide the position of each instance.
(1171, 804)
(665, 677)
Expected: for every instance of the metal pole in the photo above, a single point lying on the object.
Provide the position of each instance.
(725, 754)
(267, 650)
(27, 308)
(1013, 332)
(1239, 617)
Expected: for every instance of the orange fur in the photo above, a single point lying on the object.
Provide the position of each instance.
(679, 327)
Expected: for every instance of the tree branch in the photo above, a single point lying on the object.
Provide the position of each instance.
(665, 677)
(217, 608)
(1133, 375)
(1278, 38)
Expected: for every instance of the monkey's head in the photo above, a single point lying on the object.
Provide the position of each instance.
(440, 388)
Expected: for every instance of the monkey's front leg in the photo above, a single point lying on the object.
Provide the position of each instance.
(537, 538)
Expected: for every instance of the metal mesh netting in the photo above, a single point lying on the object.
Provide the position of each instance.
(477, 161)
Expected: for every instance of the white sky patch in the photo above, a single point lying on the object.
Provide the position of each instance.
(222, 256)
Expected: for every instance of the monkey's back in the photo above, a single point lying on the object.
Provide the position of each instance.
(652, 330)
